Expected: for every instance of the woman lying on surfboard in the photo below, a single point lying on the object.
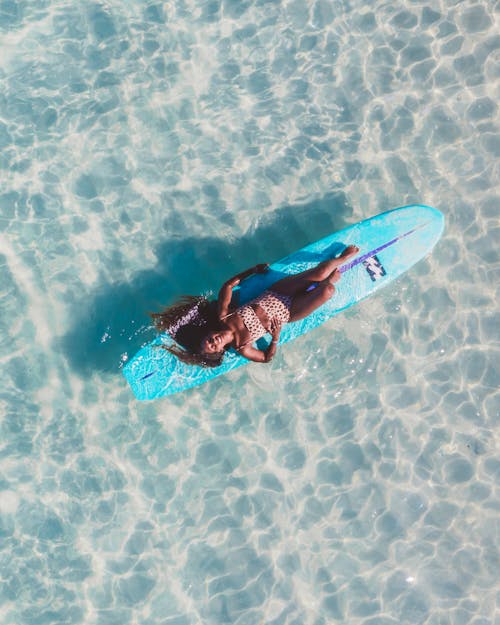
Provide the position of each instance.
(205, 330)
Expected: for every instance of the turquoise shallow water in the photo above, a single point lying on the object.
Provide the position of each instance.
(153, 149)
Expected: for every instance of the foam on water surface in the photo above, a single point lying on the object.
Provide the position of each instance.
(149, 150)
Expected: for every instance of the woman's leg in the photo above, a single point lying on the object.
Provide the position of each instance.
(306, 303)
(296, 284)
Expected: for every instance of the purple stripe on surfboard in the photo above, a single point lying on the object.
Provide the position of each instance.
(359, 260)
(345, 267)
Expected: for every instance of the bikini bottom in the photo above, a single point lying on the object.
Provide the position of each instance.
(276, 305)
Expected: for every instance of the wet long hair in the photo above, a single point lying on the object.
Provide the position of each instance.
(188, 322)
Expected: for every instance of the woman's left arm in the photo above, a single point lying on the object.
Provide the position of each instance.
(258, 355)
(226, 291)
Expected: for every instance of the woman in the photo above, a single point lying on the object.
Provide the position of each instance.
(205, 330)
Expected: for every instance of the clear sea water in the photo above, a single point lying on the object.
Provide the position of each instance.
(153, 149)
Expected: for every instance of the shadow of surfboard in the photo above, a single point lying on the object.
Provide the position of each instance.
(114, 320)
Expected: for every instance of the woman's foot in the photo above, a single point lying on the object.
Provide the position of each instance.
(349, 252)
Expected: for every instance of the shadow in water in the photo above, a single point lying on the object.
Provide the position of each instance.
(114, 321)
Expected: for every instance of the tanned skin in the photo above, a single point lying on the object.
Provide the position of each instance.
(234, 332)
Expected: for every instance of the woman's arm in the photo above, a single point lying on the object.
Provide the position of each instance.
(226, 291)
(257, 355)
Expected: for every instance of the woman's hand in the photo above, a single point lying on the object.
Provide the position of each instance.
(275, 330)
(264, 356)
(261, 268)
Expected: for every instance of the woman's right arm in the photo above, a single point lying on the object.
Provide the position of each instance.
(226, 291)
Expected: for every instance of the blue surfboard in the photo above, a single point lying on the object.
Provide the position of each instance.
(390, 243)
